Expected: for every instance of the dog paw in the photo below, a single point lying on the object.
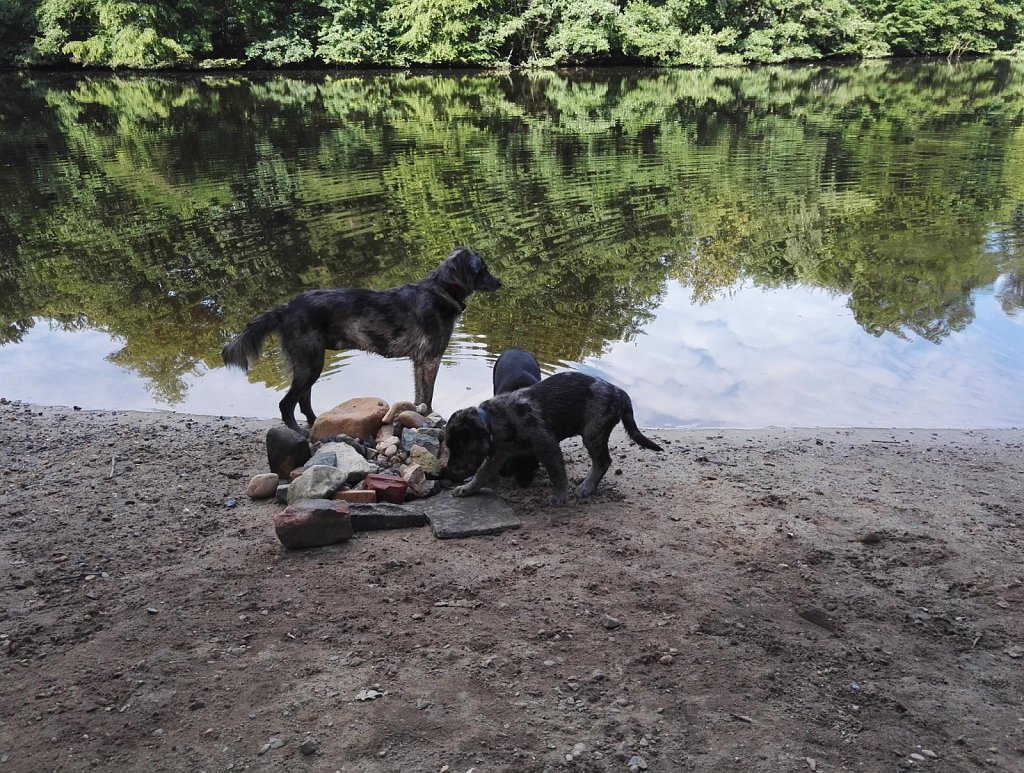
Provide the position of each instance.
(584, 491)
(460, 491)
(556, 500)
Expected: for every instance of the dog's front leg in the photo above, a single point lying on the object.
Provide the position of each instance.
(485, 473)
(424, 376)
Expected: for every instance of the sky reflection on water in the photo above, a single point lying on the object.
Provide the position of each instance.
(783, 357)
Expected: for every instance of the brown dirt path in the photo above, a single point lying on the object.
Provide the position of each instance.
(842, 599)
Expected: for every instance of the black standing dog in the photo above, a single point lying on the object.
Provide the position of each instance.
(515, 369)
(415, 321)
(534, 420)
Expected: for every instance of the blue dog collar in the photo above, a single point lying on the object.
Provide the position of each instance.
(490, 432)
(486, 419)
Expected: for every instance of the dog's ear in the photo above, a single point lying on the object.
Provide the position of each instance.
(476, 264)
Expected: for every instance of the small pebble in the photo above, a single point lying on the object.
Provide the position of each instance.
(666, 660)
(309, 746)
(611, 623)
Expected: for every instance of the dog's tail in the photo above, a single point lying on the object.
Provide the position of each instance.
(629, 423)
(243, 349)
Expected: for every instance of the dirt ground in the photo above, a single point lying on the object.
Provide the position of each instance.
(782, 600)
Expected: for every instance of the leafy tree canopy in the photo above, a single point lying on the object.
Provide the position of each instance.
(151, 34)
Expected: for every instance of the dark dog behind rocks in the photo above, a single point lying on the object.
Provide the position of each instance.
(535, 419)
(515, 369)
(415, 321)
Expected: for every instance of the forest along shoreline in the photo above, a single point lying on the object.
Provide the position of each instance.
(846, 596)
(543, 33)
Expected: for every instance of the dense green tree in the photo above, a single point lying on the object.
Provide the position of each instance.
(148, 34)
(17, 29)
(440, 31)
(119, 33)
(354, 32)
(947, 26)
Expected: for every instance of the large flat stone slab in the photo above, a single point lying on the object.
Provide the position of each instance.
(367, 517)
(476, 516)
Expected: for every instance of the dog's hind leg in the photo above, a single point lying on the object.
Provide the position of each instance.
(551, 458)
(600, 459)
(424, 375)
(305, 371)
(306, 405)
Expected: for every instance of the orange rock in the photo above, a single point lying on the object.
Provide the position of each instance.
(359, 418)
(397, 408)
(410, 419)
(385, 433)
(262, 486)
(416, 480)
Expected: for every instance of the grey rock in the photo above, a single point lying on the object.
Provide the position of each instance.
(385, 516)
(611, 623)
(421, 437)
(282, 493)
(348, 440)
(475, 516)
(286, 450)
(273, 743)
(349, 461)
(637, 762)
(309, 746)
(319, 482)
(326, 458)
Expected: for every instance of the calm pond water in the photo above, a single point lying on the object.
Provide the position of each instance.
(812, 246)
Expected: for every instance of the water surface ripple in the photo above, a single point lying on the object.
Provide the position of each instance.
(808, 246)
